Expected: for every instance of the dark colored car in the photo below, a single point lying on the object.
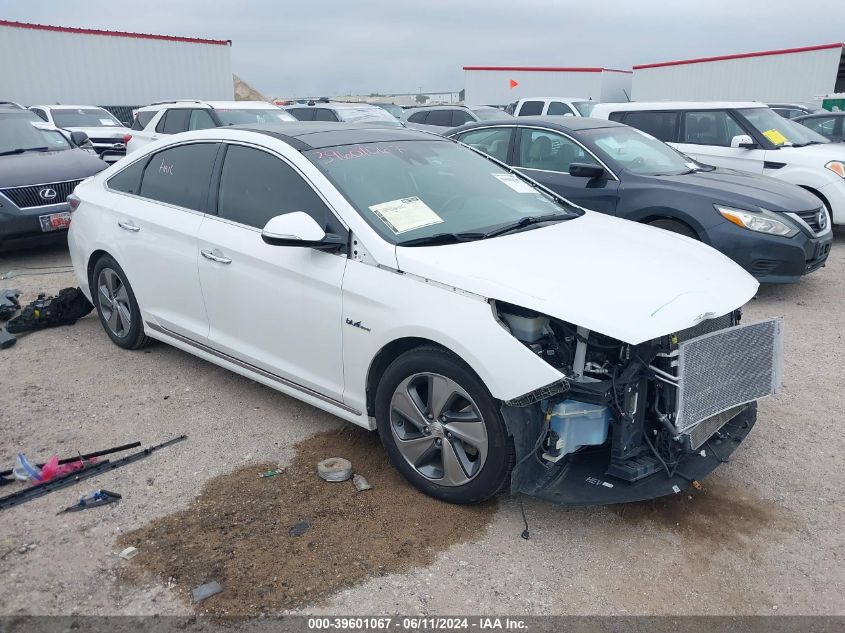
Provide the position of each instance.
(39, 169)
(829, 124)
(776, 231)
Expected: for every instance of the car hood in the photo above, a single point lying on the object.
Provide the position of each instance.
(108, 131)
(35, 168)
(620, 278)
(736, 188)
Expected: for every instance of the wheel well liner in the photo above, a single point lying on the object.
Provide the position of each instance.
(818, 195)
(92, 261)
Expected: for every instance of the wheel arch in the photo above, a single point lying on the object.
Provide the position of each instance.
(92, 262)
(818, 195)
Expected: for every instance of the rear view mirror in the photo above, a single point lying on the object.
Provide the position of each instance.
(79, 138)
(299, 229)
(744, 141)
(583, 170)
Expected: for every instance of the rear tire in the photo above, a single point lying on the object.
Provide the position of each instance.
(116, 305)
(441, 428)
(675, 226)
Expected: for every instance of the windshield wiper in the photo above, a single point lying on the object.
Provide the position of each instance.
(529, 221)
(21, 150)
(444, 238)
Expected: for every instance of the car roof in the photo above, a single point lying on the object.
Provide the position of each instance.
(676, 105)
(564, 124)
(62, 106)
(553, 99)
(305, 135)
(332, 105)
(217, 105)
(817, 115)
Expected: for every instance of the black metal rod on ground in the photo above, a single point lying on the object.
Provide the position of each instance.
(68, 460)
(38, 490)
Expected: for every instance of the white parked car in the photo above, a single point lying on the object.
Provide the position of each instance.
(172, 117)
(745, 136)
(491, 332)
(106, 133)
(551, 106)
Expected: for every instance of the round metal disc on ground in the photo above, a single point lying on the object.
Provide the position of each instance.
(335, 469)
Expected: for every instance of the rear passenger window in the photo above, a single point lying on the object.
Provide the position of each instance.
(443, 118)
(303, 114)
(661, 125)
(180, 175)
(173, 122)
(531, 108)
(557, 108)
(712, 127)
(128, 180)
(459, 117)
(256, 186)
(142, 119)
(324, 114)
(417, 117)
(200, 120)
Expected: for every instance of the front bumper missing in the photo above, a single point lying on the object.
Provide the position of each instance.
(580, 479)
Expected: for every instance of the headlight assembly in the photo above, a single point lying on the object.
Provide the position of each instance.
(760, 221)
(837, 167)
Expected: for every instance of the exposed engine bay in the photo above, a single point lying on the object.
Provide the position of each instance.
(625, 413)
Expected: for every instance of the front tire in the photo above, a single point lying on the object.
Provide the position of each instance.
(441, 428)
(116, 305)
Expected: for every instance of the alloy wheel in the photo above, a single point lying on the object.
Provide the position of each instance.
(113, 299)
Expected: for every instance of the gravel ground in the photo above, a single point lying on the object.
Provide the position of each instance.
(764, 536)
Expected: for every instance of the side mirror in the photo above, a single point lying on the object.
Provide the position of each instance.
(744, 141)
(299, 229)
(79, 138)
(583, 170)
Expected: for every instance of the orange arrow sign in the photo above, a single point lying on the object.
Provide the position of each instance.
(514, 84)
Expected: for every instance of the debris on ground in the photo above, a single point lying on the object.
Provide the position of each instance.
(6, 339)
(361, 483)
(300, 528)
(335, 469)
(129, 553)
(205, 591)
(66, 308)
(26, 547)
(9, 303)
(271, 473)
(94, 500)
(243, 540)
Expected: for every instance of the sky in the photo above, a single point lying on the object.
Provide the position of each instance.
(333, 47)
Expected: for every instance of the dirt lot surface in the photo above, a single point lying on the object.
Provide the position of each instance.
(764, 536)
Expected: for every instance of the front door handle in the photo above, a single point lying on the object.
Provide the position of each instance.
(215, 256)
(129, 226)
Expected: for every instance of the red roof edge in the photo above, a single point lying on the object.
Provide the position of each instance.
(548, 69)
(143, 36)
(719, 58)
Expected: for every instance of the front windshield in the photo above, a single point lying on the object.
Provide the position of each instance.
(780, 131)
(252, 115)
(54, 139)
(84, 117)
(394, 109)
(408, 190)
(18, 135)
(638, 152)
(370, 115)
(490, 114)
(585, 108)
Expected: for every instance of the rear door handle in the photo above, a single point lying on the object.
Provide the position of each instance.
(129, 226)
(215, 256)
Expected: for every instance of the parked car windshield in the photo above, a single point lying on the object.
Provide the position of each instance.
(585, 108)
(637, 152)
(252, 115)
(394, 109)
(409, 190)
(374, 115)
(780, 131)
(18, 135)
(84, 117)
(55, 140)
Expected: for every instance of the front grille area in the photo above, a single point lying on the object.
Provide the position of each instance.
(705, 429)
(705, 327)
(36, 196)
(727, 368)
(811, 217)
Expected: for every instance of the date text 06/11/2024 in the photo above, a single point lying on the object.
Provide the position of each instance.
(416, 623)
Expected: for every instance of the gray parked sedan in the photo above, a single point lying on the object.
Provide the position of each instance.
(39, 169)
(439, 119)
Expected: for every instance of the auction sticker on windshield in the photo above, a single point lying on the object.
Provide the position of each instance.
(520, 186)
(775, 136)
(405, 214)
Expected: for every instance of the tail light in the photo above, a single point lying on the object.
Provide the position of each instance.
(73, 202)
(126, 138)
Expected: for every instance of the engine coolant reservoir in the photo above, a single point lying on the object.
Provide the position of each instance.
(576, 424)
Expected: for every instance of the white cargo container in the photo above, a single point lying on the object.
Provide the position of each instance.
(42, 64)
(500, 85)
(786, 75)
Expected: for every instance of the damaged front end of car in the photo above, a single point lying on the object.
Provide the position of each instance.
(631, 422)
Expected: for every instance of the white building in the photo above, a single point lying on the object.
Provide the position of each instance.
(500, 85)
(795, 74)
(42, 64)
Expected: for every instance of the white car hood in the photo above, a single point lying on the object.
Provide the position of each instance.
(812, 155)
(626, 280)
(106, 131)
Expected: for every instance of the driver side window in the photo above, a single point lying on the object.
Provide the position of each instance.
(711, 127)
(550, 151)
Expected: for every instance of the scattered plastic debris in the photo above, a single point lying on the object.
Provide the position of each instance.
(95, 499)
(129, 553)
(6, 339)
(207, 590)
(26, 547)
(65, 308)
(335, 469)
(9, 303)
(271, 473)
(300, 528)
(361, 483)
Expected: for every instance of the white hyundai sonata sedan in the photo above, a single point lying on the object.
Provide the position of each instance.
(493, 333)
